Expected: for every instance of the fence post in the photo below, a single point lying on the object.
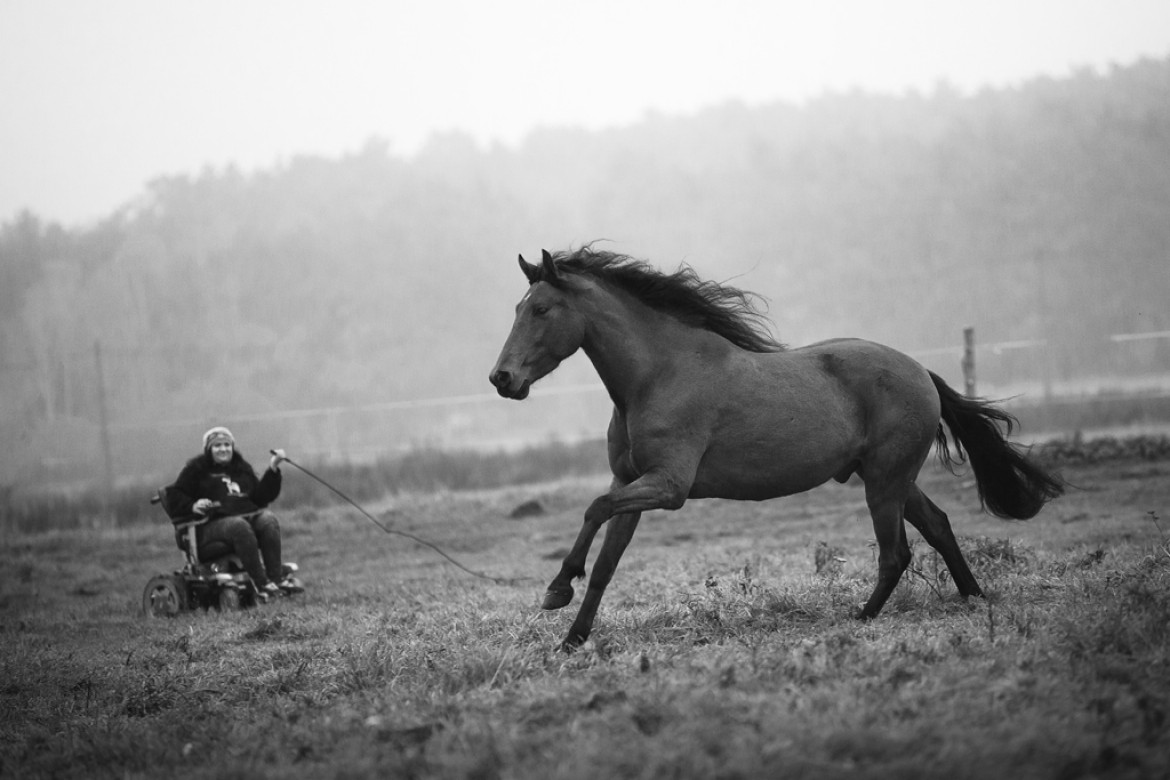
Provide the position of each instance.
(107, 455)
(969, 361)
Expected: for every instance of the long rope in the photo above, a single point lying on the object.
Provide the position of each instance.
(412, 537)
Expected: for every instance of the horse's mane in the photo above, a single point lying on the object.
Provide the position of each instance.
(730, 312)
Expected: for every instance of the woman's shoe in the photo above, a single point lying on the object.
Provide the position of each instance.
(290, 585)
(268, 592)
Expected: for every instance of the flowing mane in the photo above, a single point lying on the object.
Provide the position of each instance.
(730, 312)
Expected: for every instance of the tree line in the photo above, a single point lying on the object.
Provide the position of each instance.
(1035, 212)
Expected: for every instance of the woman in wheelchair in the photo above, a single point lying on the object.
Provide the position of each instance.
(219, 483)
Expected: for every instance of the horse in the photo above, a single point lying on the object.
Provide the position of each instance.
(708, 404)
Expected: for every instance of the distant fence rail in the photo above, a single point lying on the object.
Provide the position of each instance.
(957, 351)
(569, 407)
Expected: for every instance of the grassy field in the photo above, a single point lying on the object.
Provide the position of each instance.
(719, 651)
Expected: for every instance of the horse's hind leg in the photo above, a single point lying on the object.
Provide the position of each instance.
(935, 528)
(886, 507)
(617, 538)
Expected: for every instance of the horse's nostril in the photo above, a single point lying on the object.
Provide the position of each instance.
(501, 378)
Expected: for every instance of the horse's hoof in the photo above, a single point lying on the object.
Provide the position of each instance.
(557, 598)
(571, 644)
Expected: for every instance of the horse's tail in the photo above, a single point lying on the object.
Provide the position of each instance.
(1010, 483)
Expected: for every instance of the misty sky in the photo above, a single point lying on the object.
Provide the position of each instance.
(101, 96)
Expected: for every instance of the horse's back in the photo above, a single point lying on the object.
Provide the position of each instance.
(891, 387)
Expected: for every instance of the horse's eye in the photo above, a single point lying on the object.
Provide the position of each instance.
(540, 311)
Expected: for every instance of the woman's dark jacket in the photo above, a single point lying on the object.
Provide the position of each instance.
(233, 485)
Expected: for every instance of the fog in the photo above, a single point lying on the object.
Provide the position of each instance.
(100, 99)
(323, 256)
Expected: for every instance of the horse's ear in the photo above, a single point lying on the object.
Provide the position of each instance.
(550, 269)
(530, 271)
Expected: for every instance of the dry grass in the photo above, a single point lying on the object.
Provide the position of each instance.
(719, 651)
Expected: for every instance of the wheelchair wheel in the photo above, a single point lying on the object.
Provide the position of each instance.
(229, 600)
(165, 596)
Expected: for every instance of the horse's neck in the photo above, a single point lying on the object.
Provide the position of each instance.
(632, 345)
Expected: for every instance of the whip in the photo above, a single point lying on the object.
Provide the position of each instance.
(412, 537)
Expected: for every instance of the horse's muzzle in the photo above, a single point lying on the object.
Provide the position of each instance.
(509, 386)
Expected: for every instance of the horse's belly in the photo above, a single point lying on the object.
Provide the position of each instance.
(757, 473)
(785, 435)
(759, 486)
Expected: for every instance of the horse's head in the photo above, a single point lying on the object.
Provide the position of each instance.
(548, 329)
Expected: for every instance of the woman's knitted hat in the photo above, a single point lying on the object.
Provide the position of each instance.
(218, 433)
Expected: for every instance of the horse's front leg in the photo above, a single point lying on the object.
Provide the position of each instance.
(625, 504)
(617, 538)
(648, 492)
(560, 590)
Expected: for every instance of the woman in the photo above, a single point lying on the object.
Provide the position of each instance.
(219, 483)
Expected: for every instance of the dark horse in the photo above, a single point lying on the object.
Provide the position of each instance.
(708, 405)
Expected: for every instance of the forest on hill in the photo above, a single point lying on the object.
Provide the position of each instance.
(293, 294)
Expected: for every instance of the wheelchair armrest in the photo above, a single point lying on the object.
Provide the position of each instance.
(192, 524)
(188, 527)
(166, 498)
